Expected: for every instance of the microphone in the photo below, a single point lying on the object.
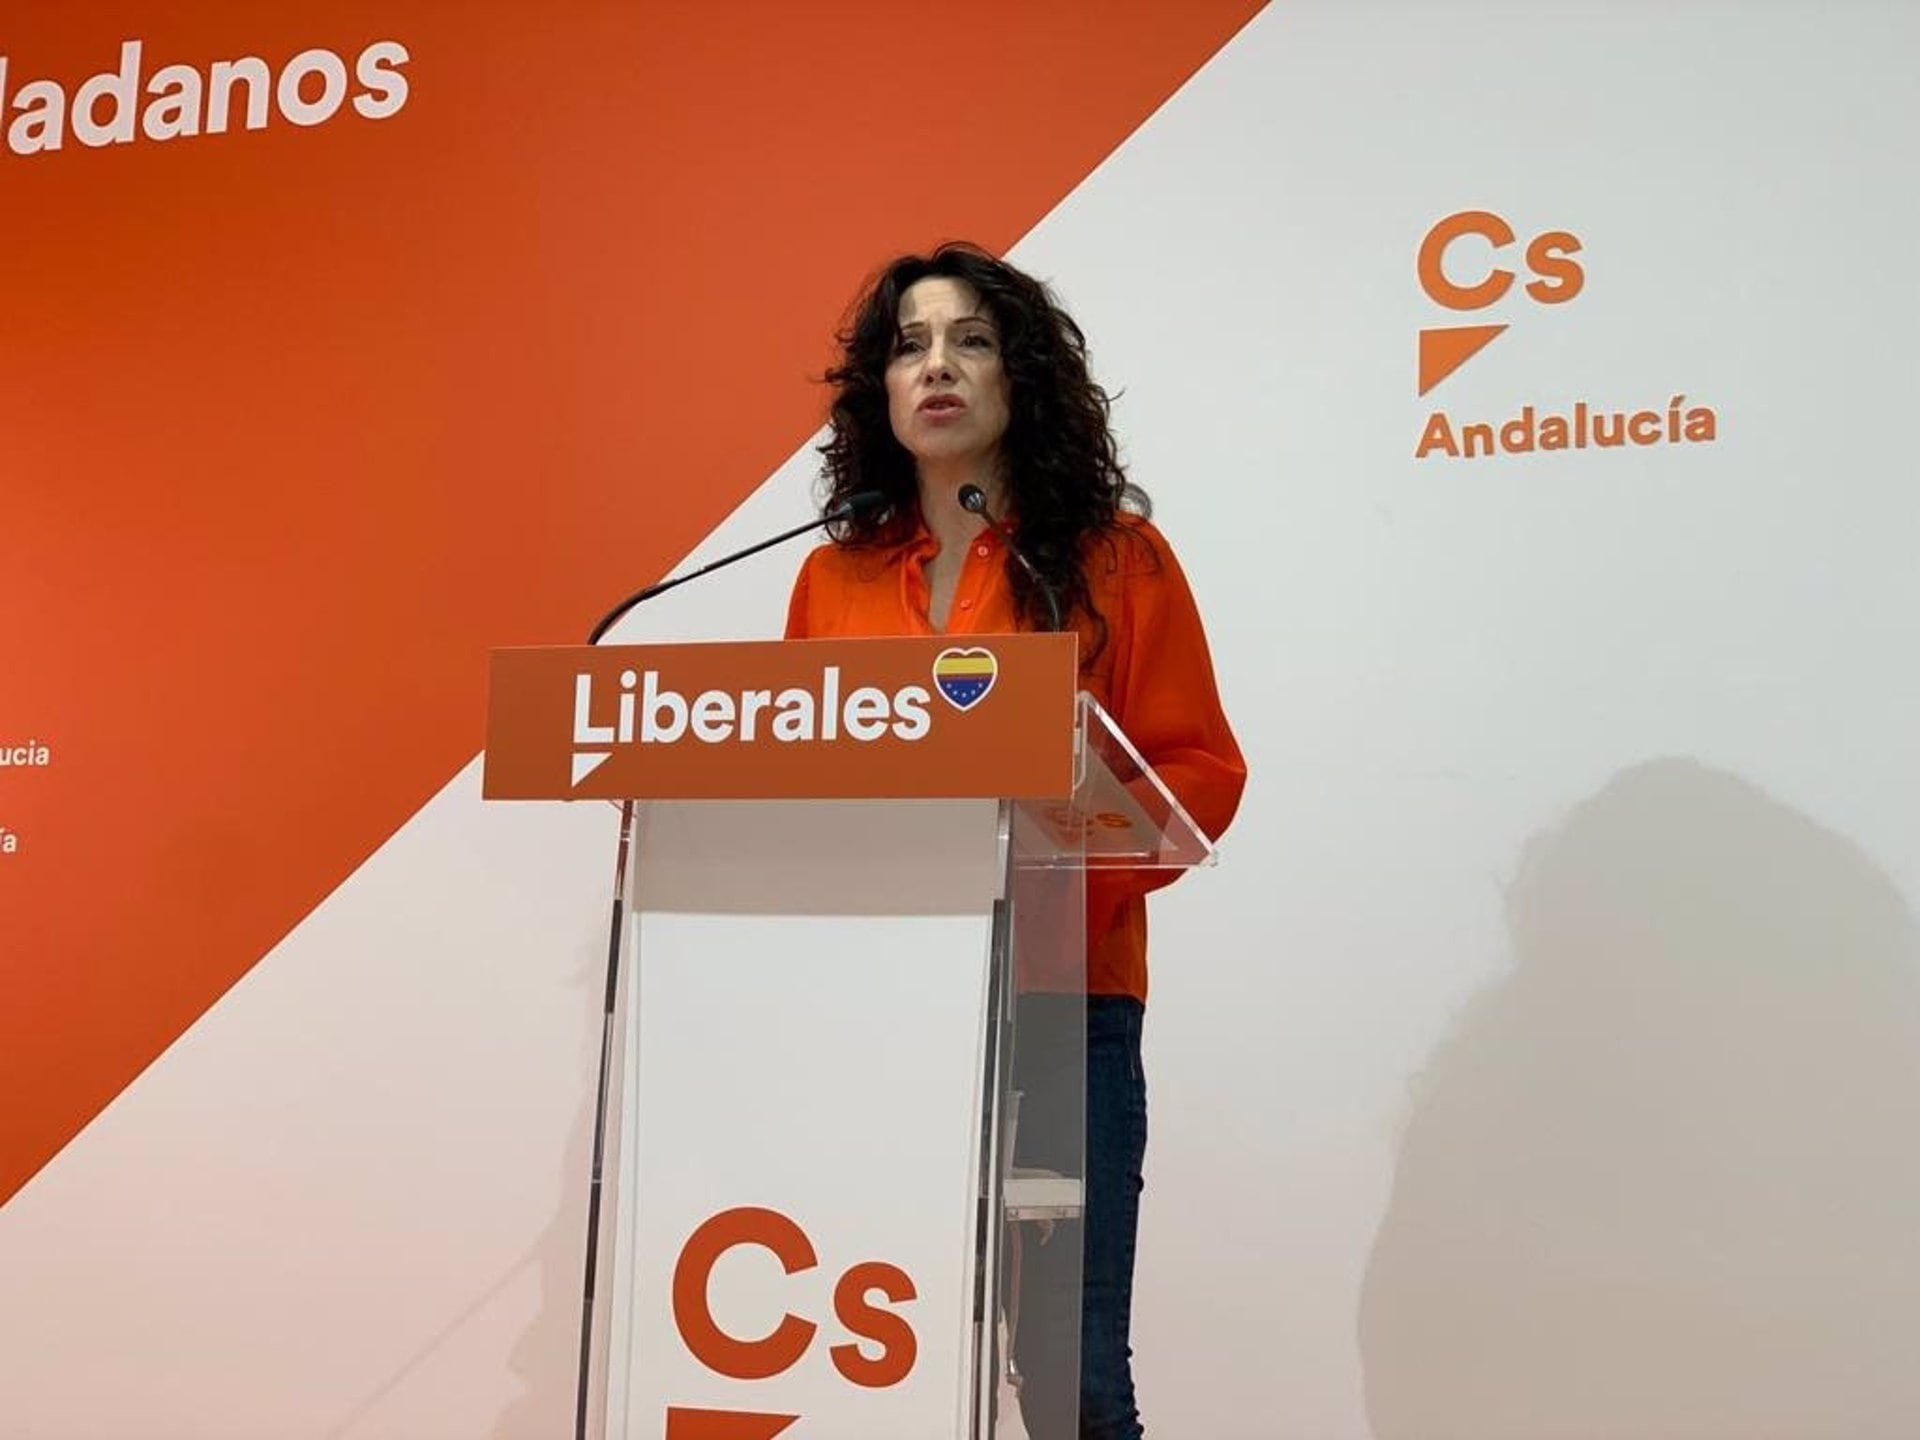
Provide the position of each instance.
(974, 500)
(856, 504)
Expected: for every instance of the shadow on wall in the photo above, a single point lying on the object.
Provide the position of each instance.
(1663, 1180)
(546, 1359)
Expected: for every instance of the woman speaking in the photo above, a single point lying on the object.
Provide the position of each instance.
(962, 393)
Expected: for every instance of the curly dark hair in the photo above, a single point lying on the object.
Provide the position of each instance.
(1065, 484)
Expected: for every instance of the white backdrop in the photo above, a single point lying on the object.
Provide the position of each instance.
(1543, 1058)
(1558, 1150)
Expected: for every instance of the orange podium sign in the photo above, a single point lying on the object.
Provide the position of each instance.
(919, 717)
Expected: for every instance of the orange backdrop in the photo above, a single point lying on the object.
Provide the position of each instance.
(296, 423)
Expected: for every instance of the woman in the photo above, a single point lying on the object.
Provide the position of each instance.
(957, 371)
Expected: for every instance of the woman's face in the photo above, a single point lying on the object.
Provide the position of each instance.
(947, 391)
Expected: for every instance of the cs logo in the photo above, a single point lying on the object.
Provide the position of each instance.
(764, 1356)
(1557, 278)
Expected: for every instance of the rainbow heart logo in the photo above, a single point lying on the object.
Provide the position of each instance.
(963, 677)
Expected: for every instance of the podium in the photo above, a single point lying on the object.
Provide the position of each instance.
(839, 1147)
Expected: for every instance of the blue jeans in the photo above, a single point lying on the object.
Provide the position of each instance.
(1101, 1248)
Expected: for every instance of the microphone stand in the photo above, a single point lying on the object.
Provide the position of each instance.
(974, 500)
(845, 510)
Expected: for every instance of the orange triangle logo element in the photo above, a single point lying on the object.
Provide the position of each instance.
(1445, 350)
(685, 1424)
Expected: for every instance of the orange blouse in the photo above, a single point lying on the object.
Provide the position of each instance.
(1154, 676)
